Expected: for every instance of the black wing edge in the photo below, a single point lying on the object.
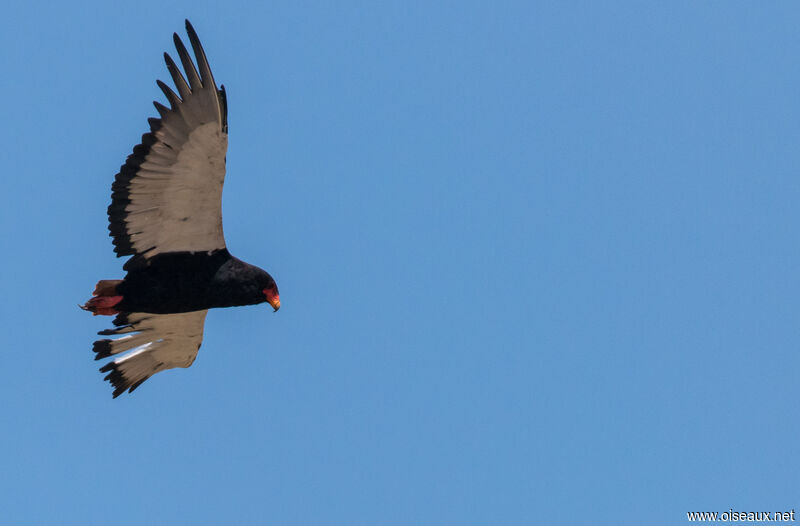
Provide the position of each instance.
(102, 348)
(118, 380)
(120, 188)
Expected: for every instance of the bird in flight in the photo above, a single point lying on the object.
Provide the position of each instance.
(166, 213)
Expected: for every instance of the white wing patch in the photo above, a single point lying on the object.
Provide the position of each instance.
(158, 342)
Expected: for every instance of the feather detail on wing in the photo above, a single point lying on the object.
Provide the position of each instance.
(157, 342)
(167, 196)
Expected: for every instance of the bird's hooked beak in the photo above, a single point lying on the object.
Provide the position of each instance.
(273, 298)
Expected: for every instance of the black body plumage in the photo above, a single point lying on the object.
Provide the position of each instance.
(185, 281)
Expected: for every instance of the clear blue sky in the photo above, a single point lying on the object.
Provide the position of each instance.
(538, 264)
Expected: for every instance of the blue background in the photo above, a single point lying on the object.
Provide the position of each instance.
(538, 265)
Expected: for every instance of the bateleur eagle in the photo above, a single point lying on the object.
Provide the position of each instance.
(166, 214)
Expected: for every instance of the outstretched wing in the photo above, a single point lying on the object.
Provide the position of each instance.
(167, 196)
(157, 342)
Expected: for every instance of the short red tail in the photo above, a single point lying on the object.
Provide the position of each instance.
(104, 298)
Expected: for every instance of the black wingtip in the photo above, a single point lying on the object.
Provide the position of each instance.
(224, 98)
(168, 59)
(115, 378)
(160, 108)
(192, 34)
(102, 348)
(172, 97)
(121, 320)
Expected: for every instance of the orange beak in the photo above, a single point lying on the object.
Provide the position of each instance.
(273, 298)
(275, 301)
